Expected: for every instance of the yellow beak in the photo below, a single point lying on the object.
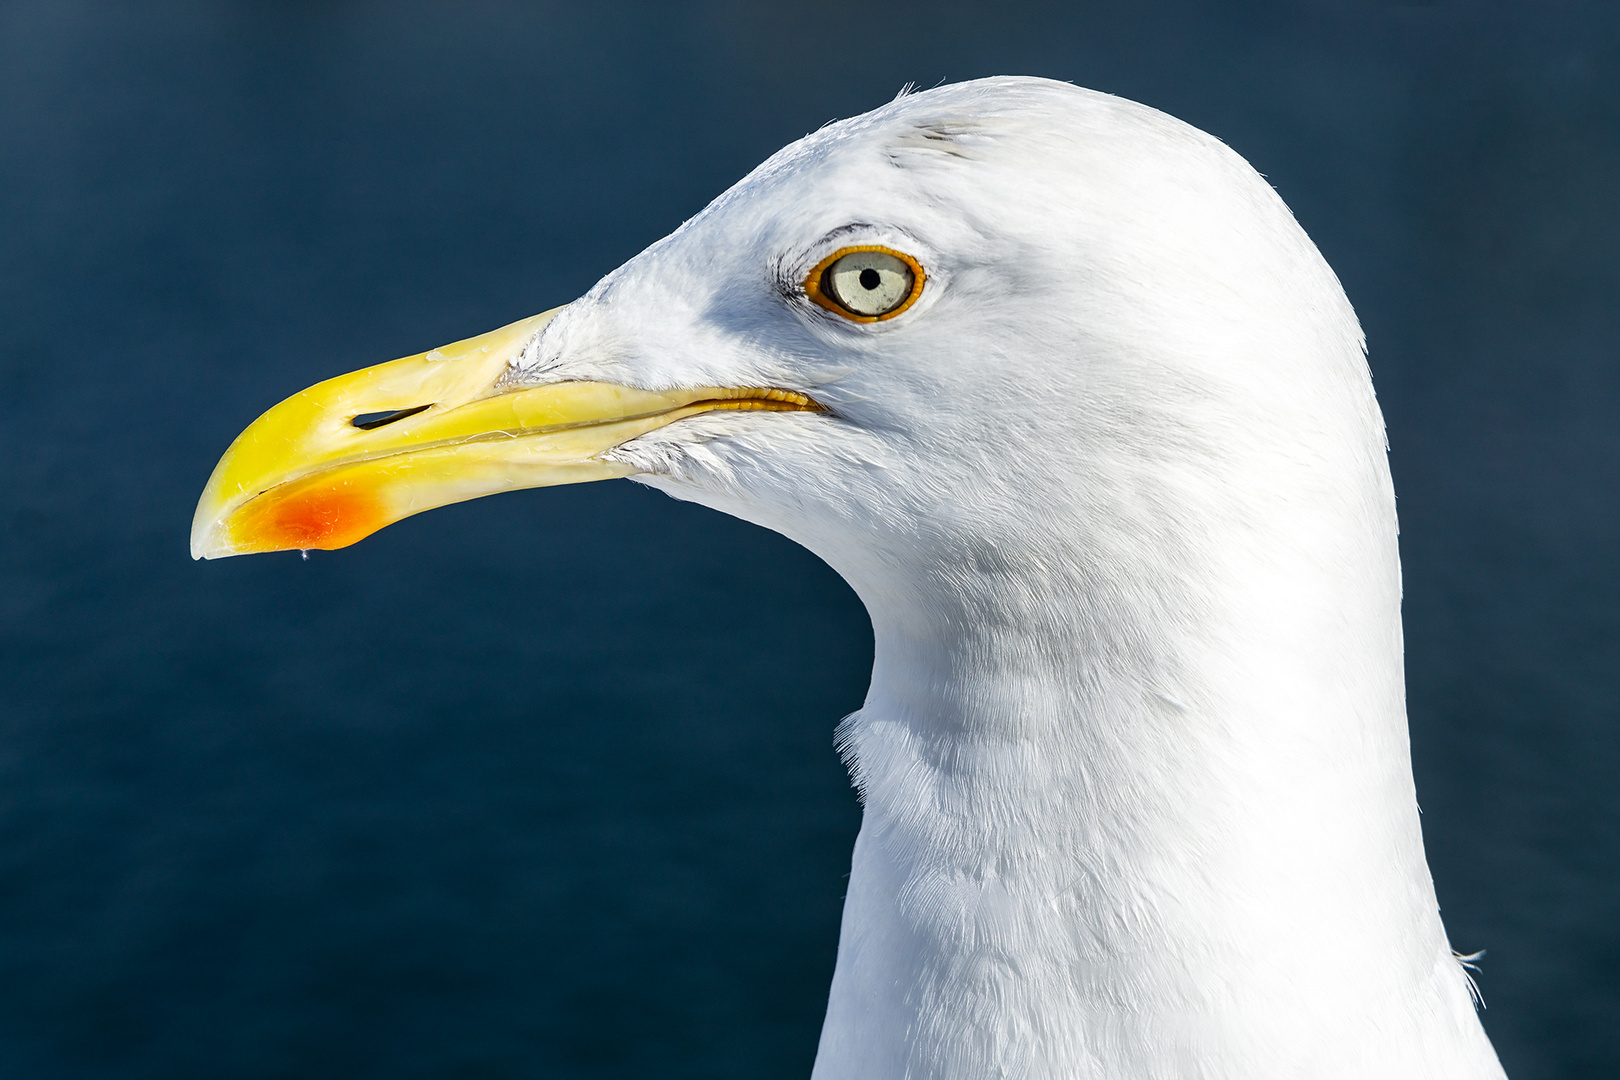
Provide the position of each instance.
(337, 462)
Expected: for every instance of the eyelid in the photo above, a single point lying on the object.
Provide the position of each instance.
(818, 296)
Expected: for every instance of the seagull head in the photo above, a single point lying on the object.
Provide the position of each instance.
(974, 321)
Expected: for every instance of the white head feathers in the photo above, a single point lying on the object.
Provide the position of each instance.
(1113, 489)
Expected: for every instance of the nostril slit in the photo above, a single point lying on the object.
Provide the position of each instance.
(368, 420)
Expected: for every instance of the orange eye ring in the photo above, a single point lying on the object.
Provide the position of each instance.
(816, 288)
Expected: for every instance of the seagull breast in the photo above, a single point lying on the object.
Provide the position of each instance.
(1058, 384)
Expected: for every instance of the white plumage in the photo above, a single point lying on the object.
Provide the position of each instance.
(1138, 800)
(1111, 482)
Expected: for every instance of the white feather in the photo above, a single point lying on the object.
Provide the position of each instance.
(1138, 800)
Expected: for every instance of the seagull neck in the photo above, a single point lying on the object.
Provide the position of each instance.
(1077, 816)
(1255, 723)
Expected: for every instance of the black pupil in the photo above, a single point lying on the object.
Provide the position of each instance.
(870, 279)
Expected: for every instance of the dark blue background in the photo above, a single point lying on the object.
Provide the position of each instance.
(544, 785)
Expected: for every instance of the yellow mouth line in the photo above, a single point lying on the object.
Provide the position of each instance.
(717, 399)
(746, 398)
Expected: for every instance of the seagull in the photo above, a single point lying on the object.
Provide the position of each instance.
(1059, 386)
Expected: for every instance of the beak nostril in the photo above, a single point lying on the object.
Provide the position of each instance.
(368, 420)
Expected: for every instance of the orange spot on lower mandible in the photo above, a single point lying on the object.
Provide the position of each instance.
(312, 515)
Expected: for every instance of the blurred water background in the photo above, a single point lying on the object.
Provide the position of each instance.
(544, 785)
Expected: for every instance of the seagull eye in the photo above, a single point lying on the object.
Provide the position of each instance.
(865, 284)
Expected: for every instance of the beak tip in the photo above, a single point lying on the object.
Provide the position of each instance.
(209, 539)
(205, 544)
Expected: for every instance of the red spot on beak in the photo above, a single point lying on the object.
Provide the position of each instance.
(316, 513)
